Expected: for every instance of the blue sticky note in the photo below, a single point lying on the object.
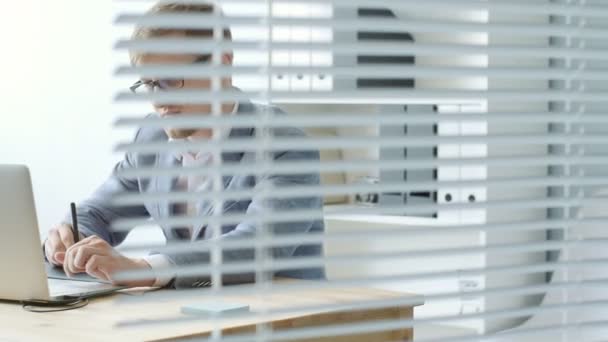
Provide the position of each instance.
(214, 308)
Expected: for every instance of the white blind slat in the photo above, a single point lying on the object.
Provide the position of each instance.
(380, 72)
(175, 45)
(364, 165)
(295, 215)
(586, 10)
(413, 231)
(209, 22)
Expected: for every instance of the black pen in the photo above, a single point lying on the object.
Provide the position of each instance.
(74, 223)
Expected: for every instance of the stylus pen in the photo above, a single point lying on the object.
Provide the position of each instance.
(74, 223)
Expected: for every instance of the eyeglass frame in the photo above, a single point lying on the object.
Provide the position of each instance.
(156, 84)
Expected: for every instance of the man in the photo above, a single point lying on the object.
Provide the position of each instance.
(95, 254)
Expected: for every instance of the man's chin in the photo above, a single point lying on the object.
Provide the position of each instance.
(180, 133)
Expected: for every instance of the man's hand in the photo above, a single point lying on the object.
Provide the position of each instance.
(98, 259)
(60, 238)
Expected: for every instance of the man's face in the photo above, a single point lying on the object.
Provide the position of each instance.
(169, 110)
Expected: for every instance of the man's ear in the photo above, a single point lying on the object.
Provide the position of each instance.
(227, 58)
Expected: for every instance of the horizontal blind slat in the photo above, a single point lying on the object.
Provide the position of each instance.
(303, 215)
(324, 190)
(346, 119)
(377, 49)
(278, 264)
(320, 143)
(188, 21)
(577, 9)
(379, 72)
(416, 228)
(369, 96)
(279, 168)
(358, 282)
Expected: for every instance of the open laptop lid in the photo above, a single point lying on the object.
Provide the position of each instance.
(22, 266)
(21, 259)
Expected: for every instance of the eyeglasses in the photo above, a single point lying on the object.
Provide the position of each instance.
(150, 86)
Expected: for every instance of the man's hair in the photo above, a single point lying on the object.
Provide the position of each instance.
(171, 8)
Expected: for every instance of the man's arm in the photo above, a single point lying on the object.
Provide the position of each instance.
(248, 228)
(96, 213)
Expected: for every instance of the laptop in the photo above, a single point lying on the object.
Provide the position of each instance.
(24, 273)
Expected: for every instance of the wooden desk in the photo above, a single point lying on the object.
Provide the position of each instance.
(111, 318)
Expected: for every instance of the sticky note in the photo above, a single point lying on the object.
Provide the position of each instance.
(214, 308)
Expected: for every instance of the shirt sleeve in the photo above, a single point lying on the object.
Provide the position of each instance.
(160, 262)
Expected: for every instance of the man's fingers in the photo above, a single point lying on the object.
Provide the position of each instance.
(66, 235)
(68, 262)
(106, 270)
(50, 253)
(59, 257)
(67, 267)
(78, 254)
(91, 266)
(96, 266)
(84, 253)
(85, 241)
(53, 245)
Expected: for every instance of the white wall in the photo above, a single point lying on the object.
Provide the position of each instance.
(57, 89)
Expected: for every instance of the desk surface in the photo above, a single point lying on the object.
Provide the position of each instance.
(153, 316)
